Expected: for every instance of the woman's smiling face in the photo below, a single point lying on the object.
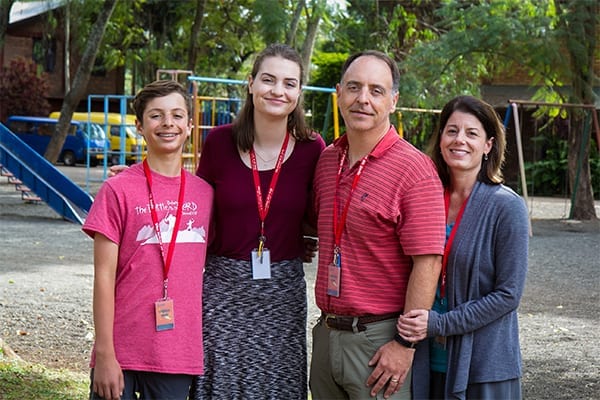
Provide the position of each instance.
(464, 142)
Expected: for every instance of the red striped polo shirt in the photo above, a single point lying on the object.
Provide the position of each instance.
(396, 211)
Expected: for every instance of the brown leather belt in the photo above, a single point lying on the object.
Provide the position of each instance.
(357, 324)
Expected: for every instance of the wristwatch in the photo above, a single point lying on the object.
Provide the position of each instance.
(404, 342)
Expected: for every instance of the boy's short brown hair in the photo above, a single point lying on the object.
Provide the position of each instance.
(156, 89)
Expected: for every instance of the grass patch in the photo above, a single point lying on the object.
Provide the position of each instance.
(21, 380)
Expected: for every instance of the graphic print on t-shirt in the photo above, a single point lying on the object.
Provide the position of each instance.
(189, 234)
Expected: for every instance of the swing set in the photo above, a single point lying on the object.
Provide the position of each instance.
(591, 118)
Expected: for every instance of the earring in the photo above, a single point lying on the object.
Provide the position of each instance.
(485, 157)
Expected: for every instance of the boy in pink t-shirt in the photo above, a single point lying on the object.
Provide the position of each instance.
(150, 228)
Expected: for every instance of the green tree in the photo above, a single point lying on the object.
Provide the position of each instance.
(394, 27)
(553, 41)
(578, 29)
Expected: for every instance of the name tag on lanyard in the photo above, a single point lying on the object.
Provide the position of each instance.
(334, 270)
(163, 308)
(165, 315)
(261, 257)
(261, 264)
(334, 275)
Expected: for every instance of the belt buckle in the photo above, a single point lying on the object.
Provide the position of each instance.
(327, 318)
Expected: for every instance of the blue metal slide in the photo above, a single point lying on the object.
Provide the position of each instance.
(52, 186)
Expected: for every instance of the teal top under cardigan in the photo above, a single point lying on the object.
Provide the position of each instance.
(486, 272)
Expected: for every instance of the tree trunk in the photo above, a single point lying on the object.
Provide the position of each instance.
(82, 76)
(291, 34)
(312, 27)
(580, 178)
(581, 45)
(195, 35)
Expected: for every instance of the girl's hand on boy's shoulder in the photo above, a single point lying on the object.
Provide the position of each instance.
(115, 170)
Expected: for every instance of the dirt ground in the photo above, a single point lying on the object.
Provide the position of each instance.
(46, 275)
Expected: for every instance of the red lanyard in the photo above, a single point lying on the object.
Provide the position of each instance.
(166, 260)
(450, 238)
(263, 209)
(338, 226)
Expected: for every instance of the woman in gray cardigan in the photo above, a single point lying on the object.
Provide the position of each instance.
(473, 351)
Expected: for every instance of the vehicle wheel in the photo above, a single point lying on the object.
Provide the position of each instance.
(115, 159)
(94, 162)
(68, 158)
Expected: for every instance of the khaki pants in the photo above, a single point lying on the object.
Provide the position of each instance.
(339, 367)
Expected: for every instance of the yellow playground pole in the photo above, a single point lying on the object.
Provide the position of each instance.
(400, 127)
(336, 123)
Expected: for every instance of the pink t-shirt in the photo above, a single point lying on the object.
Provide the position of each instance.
(121, 212)
(396, 211)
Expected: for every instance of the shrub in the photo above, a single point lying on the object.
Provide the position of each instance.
(548, 177)
(23, 90)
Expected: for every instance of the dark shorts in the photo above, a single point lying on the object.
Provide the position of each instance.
(150, 385)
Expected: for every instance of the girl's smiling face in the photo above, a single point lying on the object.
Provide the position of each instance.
(276, 88)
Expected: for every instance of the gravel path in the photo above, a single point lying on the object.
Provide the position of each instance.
(46, 276)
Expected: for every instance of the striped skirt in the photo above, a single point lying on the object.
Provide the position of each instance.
(254, 332)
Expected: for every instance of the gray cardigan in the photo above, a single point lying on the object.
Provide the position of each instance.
(486, 272)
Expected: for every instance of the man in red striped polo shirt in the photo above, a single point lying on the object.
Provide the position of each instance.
(381, 228)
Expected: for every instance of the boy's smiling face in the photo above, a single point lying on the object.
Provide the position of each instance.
(166, 124)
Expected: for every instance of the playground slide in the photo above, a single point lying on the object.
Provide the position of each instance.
(51, 185)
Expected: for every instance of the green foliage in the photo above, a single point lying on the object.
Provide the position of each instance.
(392, 27)
(82, 16)
(163, 43)
(124, 36)
(23, 89)
(549, 175)
(417, 127)
(29, 381)
(326, 73)
(549, 95)
(228, 43)
(476, 41)
(274, 19)
(146, 35)
(444, 48)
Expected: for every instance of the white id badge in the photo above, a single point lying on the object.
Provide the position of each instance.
(261, 265)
